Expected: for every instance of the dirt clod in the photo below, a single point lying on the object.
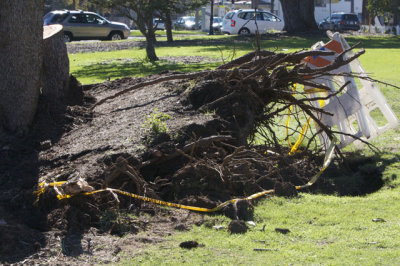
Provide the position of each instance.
(189, 244)
(237, 227)
(282, 230)
(285, 189)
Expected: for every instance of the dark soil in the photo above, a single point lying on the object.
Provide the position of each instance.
(189, 244)
(237, 227)
(109, 147)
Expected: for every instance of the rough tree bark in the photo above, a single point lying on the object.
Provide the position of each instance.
(150, 38)
(21, 26)
(55, 72)
(365, 13)
(168, 27)
(298, 15)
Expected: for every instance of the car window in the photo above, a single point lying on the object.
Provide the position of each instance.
(249, 15)
(242, 15)
(93, 19)
(259, 16)
(47, 15)
(353, 17)
(58, 18)
(77, 19)
(270, 17)
(229, 15)
(336, 16)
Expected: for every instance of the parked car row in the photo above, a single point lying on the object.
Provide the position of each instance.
(80, 25)
(187, 23)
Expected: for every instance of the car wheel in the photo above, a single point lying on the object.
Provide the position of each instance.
(244, 31)
(115, 36)
(67, 37)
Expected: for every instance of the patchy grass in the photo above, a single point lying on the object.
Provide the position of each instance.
(324, 230)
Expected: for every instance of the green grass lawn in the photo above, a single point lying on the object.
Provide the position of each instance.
(137, 33)
(325, 229)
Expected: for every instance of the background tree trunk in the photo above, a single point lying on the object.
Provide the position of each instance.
(365, 13)
(55, 72)
(298, 15)
(21, 31)
(168, 27)
(150, 51)
(150, 40)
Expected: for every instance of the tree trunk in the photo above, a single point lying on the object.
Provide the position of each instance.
(272, 6)
(21, 31)
(146, 28)
(298, 15)
(150, 40)
(55, 72)
(365, 13)
(395, 12)
(150, 50)
(168, 27)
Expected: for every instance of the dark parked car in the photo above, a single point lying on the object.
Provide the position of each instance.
(340, 22)
(185, 23)
(82, 25)
(217, 24)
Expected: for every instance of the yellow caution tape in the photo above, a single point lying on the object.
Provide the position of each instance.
(294, 148)
(301, 137)
(327, 160)
(314, 90)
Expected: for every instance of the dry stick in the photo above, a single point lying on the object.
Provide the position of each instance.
(244, 59)
(358, 75)
(149, 83)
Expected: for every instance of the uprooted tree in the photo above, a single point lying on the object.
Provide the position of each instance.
(248, 96)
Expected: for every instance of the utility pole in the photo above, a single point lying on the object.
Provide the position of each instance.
(211, 32)
(254, 4)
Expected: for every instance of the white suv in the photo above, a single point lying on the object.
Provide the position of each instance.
(242, 22)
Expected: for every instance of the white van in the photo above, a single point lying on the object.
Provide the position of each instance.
(242, 22)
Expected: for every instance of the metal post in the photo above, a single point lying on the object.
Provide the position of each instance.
(211, 32)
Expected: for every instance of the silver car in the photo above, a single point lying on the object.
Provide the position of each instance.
(83, 25)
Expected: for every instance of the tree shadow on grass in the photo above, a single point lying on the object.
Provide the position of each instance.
(275, 41)
(112, 70)
(359, 175)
